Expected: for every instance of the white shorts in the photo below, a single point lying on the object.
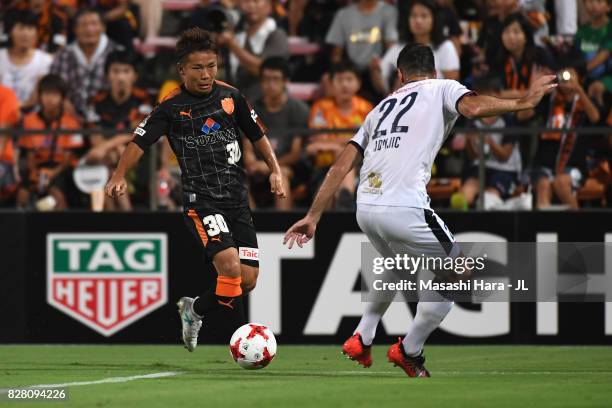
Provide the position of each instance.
(406, 230)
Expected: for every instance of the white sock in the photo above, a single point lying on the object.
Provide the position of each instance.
(428, 317)
(369, 321)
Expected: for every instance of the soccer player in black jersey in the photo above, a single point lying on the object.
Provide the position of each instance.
(203, 121)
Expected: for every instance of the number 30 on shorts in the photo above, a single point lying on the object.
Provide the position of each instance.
(215, 224)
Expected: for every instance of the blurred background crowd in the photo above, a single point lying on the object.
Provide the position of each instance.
(95, 69)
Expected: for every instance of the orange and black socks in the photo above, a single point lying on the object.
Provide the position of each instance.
(225, 297)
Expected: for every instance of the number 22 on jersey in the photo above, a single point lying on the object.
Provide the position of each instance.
(386, 109)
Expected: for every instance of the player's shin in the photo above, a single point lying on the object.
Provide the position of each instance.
(369, 321)
(428, 317)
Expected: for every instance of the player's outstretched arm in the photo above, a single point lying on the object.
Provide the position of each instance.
(477, 106)
(117, 186)
(276, 178)
(303, 230)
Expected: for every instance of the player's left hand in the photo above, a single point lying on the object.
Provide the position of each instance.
(301, 232)
(276, 185)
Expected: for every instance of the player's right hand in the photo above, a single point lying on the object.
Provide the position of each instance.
(301, 232)
(116, 186)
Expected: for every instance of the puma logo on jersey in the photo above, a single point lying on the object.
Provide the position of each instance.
(188, 113)
(226, 304)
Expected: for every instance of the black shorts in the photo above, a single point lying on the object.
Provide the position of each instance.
(217, 229)
(503, 181)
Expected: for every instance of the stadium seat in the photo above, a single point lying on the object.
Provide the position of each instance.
(305, 91)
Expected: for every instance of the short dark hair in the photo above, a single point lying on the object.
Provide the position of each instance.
(275, 64)
(343, 66)
(52, 83)
(195, 40)
(121, 57)
(86, 10)
(416, 59)
(23, 17)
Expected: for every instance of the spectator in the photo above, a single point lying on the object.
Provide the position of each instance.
(344, 110)
(82, 62)
(501, 152)
(49, 158)
(122, 19)
(450, 22)
(519, 61)
(423, 27)
(560, 161)
(594, 41)
(9, 116)
(312, 18)
(52, 26)
(279, 112)
(363, 31)
(121, 109)
(260, 39)
(492, 26)
(22, 65)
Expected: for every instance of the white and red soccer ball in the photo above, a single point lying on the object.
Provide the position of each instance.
(253, 346)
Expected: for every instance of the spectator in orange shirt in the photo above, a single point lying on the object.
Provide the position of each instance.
(9, 116)
(343, 110)
(122, 109)
(50, 158)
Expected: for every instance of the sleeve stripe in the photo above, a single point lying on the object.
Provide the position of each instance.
(357, 145)
(468, 93)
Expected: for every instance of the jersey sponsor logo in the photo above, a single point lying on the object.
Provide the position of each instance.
(374, 183)
(210, 126)
(107, 281)
(228, 105)
(223, 136)
(140, 131)
(374, 180)
(254, 115)
(248, 253)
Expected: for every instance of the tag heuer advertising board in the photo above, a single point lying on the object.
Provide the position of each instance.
(107, 281)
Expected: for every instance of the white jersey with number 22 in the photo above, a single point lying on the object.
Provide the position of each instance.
(401, 137)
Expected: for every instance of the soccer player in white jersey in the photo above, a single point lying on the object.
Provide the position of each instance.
(398, 143)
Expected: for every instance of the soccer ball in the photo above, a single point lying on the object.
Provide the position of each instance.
(253, 346)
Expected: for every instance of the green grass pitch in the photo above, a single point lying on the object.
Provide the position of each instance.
(313, 376)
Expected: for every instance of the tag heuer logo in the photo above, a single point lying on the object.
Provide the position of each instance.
(107, 281)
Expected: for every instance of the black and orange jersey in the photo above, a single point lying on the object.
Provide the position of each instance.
(49, 148)
(106, 113)
(204, 133)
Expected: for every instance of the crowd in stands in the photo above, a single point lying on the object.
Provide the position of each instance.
(93, 69)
